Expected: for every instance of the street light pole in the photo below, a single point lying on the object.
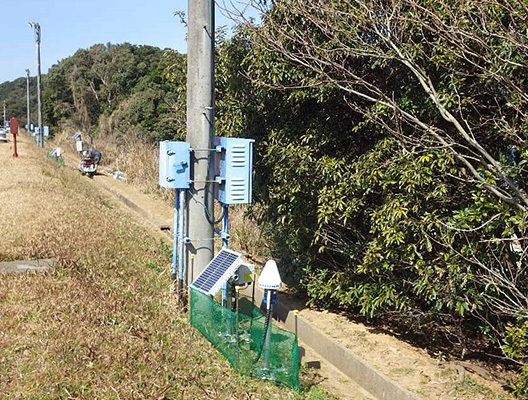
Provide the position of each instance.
(36, 27)
(28, 112)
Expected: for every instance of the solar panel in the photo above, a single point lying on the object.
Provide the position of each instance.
(217, 272)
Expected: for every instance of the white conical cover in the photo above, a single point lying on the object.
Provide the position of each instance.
(269, 277)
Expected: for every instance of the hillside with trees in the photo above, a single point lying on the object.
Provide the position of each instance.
(14, 93)
(124, 83)
(391, 152)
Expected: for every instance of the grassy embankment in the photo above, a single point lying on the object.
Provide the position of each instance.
(102, 324)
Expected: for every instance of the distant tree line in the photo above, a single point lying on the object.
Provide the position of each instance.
(14, 93)
(124, 84)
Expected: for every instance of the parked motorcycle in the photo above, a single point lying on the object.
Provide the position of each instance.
(89, 162)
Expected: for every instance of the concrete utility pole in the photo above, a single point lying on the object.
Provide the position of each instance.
(28, 112)
(4, 124)
(200, 131)
(36, 26)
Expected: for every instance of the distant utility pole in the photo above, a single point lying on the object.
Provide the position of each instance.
(4, 124)
(200, 131)
(36, 27)
(28, 112)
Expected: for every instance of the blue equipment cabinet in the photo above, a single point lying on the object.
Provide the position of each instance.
(174, 165)
(234, 170)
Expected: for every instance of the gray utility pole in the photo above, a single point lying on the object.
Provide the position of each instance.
(4, 114)
(36, 26)
(28, 112)
(200, 131)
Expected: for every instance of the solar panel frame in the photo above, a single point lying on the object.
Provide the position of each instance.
(217, 272)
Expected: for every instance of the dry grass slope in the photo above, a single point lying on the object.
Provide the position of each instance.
(102, 325)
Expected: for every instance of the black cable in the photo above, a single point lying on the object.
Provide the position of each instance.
(265, 333)
(210, 220)
(252, 303)
(207, 213)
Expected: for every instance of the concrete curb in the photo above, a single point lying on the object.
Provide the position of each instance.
(26, 266)
(158, 223)
(370, 379)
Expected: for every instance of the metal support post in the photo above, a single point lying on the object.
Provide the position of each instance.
(36, 27)
(15, 150)
(226, 299)
(267, 339)
(27, 102)
(181, 242)
(175, 235)
(225, 226)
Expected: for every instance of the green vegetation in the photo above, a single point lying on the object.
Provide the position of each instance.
(392, 157)
(391, 151)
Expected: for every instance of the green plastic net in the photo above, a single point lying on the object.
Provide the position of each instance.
(239, 336)
(56, 158)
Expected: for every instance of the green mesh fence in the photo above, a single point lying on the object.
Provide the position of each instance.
(58, 159)
(239, 337)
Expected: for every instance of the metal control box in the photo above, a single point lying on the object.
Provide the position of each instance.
(45, 130)
(233, 170)
(174, 165)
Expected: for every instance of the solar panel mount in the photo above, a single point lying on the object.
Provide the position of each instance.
(217, 272)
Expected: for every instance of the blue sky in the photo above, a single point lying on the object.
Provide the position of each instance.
(68, 25)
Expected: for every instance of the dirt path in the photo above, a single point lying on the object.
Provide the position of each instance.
(430, 378)
(147, 210)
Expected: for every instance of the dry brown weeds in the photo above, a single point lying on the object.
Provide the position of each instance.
(102, 324)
